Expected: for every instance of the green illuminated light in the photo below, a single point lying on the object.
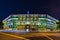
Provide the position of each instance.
(42, 20)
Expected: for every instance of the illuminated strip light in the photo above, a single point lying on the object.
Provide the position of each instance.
(42, 18)
(50, 23)
(15, 18)
(49, 20)
(8, 17)
(3, 21)
(57, 20)
(42, 15)
(52, 18)
(15, 15)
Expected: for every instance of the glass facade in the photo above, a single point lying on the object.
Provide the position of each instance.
(31, 22)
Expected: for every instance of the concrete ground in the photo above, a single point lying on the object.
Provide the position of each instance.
(29, 36)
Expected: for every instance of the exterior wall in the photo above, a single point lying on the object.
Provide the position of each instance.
(40, 22)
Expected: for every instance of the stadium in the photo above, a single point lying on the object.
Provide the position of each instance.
(30, 22)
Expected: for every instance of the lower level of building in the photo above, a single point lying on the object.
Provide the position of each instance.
(31, 28)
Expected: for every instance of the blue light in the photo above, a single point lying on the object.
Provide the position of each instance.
(27, 12)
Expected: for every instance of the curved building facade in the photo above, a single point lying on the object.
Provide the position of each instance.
(30, 22)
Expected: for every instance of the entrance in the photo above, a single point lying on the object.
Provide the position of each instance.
(27, 27)
(31, 27)
(34, 28)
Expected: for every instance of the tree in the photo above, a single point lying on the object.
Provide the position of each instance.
(1, 25)
(58, 23)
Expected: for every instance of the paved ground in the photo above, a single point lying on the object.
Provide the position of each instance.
(6, 37)
(31, 36)
(38, 38)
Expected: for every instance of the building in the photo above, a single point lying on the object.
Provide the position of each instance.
(30, 22)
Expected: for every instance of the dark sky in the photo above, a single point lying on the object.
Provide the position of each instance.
(51, 7)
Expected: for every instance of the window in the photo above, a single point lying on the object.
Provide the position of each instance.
(24, 19)
(14, 16)
(20, 18)
(42, 16)
(35, 18)
(31, 19)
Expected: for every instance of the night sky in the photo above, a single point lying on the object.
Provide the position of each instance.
(8, 7)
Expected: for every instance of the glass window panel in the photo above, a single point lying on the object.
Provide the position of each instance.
(31, 15)
(31, 19)
(24, 19)
(35, 18)
(21, 18)
(43, 16)
(14, 16)
(24, 16)
(20, 23)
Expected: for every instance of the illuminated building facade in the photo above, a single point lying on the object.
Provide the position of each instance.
(30, 22)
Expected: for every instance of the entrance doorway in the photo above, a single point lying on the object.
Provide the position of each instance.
(27, 27)
(31, 27)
